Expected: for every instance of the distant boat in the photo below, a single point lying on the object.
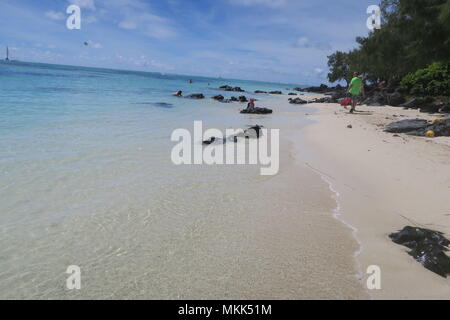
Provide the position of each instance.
(7, 54)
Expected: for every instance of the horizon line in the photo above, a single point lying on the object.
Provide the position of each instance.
(158, 72)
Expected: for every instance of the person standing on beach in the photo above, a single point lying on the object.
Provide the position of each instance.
(355, 90)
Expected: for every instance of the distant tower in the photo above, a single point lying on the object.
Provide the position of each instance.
(7, 54)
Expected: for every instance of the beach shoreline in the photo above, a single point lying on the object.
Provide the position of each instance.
(383, 182)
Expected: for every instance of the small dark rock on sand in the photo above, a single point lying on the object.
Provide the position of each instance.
(297, 101)
(427, 246)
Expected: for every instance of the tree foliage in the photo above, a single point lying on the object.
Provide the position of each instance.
(433, 80)
(413, 35)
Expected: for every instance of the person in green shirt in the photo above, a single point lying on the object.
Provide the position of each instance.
(356, 89)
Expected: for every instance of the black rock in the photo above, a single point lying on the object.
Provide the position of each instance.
(340, 94)
(292, 94)
(196, 96)
(433, 107)
(228, 88)
(412, 104)
(256, 129)
(243, 99)
(376, 98)
(395, 99)
(259, 91)
(322, 100)
(405, 126)
(219, 98)
(321, 89)
(440, 129)
(297, 101)
(276, 92)
(256, 111)
(445, 109)
(427, 246)
(210, 141)
(234, 99)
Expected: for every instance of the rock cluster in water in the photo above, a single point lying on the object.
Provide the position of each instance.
(221, 98)
(228, 88)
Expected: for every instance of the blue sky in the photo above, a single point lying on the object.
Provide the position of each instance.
(268, 40)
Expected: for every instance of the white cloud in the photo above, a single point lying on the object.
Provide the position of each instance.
(55, 15)
(302, 42)
(86, 4)
(268, 3)
(128, 25)
(318, 70)
(148, 24)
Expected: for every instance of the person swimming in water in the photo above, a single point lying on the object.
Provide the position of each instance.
(178, 94)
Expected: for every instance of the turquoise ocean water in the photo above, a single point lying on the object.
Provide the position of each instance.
(86, 179)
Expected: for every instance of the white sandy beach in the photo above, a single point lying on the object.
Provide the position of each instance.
(383, 183)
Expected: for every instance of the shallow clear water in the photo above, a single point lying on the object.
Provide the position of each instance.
(86, 179)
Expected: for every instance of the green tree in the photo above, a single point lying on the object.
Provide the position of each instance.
(339, 67)
(414, 34)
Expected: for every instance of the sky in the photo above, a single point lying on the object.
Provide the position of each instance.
(268, 40)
